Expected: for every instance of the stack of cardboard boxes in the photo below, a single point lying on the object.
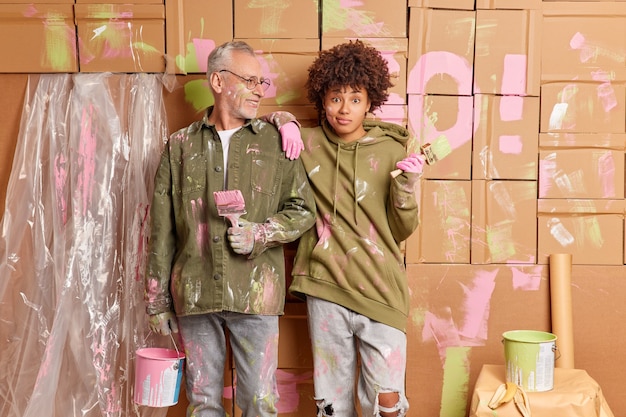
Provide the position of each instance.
(528, 97)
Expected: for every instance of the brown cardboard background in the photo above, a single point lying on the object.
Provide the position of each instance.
(13, 87)
(508, 41)
(189, 39)
(505, 138)
(577, 165)
(34, 29)
(598, 290)
(278, 20)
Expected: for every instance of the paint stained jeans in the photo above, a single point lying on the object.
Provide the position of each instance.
(338, 336)
(254, 343)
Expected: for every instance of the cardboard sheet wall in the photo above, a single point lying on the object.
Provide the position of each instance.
(529, 96)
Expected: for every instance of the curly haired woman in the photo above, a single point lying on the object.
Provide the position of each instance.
(349, 267)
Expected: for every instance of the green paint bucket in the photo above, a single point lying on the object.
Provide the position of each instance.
(529, 359)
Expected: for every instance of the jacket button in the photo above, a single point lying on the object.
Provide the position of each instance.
(217, 277)
(218, 169)
(216, 239)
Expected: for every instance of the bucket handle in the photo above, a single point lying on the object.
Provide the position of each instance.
(171, 337)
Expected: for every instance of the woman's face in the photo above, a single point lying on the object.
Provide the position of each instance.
(345, 109)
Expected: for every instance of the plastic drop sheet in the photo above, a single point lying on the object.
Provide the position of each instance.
(73, 245)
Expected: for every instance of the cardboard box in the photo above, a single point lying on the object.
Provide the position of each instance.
(14, 87)
(506, 136)
(509, 4)
(578, 165)
(456, 319)
(584, 42)
(591, 230)
(443, 4)
(284, 19)
(441, 51)
(394, 51)
(443, 235)
(285, 62)
(121, 38)
(190, 36)
(37, 40)
(582, 107)
(507, 59)
(504, 217)
(446, 122)
(364, 19)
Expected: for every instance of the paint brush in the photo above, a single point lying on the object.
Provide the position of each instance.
(439, 149)
(230, 204)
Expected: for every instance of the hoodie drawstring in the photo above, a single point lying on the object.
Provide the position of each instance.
(354, 181)
(336, 182)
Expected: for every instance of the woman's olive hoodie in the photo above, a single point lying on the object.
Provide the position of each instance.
(352, 256)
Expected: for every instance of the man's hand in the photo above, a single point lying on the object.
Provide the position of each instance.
(242, 238)
(163, 323)
(292, 140)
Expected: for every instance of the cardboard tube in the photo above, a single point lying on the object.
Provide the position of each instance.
(561, 308)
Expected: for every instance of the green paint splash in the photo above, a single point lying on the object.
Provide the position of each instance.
(455, 382)
(337, 18)
(271, 14)
(60, 45)
(198, 94)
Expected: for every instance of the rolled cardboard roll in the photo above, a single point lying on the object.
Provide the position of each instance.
(561, 308)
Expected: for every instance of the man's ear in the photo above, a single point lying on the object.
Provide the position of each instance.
(216, 82)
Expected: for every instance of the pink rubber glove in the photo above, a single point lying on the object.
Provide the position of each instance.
(292, 140)
(242, 238)
(413, 163)
(163, 323)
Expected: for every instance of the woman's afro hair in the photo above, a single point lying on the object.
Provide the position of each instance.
(349, 64)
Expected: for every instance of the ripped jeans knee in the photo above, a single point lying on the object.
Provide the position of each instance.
(324, 409)
(390, 403)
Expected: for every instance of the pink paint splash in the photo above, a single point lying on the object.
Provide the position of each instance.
(288, 389)
(203, 48)
(60, 183)
(547, 170)
(514, 74)
(434, 64)
(511, 108)
(606, 95)
(476, 306)
(457, 135)
(526, 281)
(441, 329)
(86, 157)
(510, 144)
(606, 173)
(198, 209)
(153, 287)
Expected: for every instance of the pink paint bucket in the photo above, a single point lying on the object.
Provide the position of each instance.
(158, 375)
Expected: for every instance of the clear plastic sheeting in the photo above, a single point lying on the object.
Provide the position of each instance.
(73, 245)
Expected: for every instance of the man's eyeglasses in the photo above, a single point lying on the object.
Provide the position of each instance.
(251, 83)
